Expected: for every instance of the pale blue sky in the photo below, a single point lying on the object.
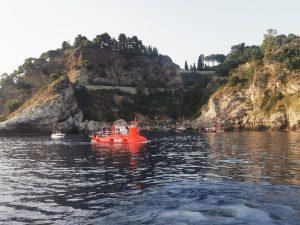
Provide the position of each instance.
(181, 29)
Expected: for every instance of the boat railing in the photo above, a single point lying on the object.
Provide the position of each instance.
(102, 133)
(108, 133)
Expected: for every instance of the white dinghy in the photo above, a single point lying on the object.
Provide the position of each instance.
(58, 135)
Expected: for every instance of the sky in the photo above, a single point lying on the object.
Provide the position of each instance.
(181, 29)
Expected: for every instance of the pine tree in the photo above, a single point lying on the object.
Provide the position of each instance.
(186, 67)
(66, 45)
(79, 41)
(122, 42)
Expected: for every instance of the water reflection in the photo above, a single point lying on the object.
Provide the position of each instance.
(132, 147)
(45, 181)
(269, 156)
(123, 157)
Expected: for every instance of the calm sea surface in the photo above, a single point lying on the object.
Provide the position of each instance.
(217, 178)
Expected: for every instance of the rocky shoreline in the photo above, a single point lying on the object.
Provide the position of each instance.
(270, 100)
(87, 127)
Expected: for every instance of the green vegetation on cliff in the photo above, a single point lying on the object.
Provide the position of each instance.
(275, 49)
(263, 86)
(109, 105)
(128, 46)
(282, 48)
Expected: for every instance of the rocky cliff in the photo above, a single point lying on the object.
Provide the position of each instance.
(258, 95)
(53, 107)
(89, 66)
(69, 88)
(97, 66)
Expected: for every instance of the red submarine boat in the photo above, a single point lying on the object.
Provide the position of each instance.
(120, 134)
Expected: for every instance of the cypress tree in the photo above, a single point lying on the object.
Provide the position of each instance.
(200, 63)
(194, 67)
(186, 67)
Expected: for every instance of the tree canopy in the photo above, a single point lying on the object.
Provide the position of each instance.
(128, 46)
(219, 58)
(282, 48)
(103, 40)
(239, 54)
(276, 48)
(66, 45)
(79, 41)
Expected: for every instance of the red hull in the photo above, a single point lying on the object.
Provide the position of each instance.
(132, 147)
(116, 138)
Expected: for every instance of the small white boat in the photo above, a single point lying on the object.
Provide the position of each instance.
(57, 135)
(180, 129)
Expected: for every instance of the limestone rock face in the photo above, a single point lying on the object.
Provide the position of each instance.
(270, 100)
(52, 108)
(109, 68)
(92, 126)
